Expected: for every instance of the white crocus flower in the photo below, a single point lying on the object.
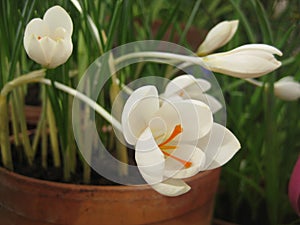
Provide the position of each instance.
(247, 61)
(188, 87)
(218, 36)
(287, 89)
(167, 138)
(48, 41)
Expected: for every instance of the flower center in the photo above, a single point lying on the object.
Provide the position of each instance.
(164, 147)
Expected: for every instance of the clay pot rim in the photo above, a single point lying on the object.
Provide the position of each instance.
(61, 185)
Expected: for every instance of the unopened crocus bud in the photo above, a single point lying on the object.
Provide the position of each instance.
(247, 61)
(287, 89)
(218, 36)
(294, 187)
(48, 41)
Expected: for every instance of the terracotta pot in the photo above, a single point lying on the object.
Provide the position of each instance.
(29, 201)
(32, 114)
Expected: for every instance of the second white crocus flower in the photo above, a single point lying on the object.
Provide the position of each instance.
(48, 41)
(247, 61)
(188, 87)
(174, 140)
(287, 89)
(218, 36)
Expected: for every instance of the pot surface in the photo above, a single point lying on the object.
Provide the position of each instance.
(30, 201)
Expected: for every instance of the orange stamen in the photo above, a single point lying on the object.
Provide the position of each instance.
(168, 147)
(187, 164)
(177, 130)
(39, 37)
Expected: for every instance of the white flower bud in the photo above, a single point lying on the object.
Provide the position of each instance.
(287, 89)
(247, 61)
(218, 36)
(48, 41)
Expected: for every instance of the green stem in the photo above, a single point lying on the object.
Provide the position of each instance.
(120, 148)
(67, 164)
(44, 144)
(14, 121)
(21, 80)
(18, 95)
(53, 135)
(4, 119)
(86, 172)
(4, 134)
(41, 127)
(71, 140)
(70, 153)
(244, 20)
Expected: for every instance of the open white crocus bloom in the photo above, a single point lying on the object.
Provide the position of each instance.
(218, 36)
(174, 140)
(188, 87)
(287, 89)
(247, 61)
(48, 41)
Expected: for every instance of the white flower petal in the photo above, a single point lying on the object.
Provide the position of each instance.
(158, 128)
(200, 85)
(171, 187)
(188, 153)
(188, 87)
(286, 79)
(287, 89)
(194, 117)
(149, 158)
(218, 36)
(258, 47)
(61, 52)
(137, 112)
(211, 101)
(56, 17)
(247, 61)
(48, 41)
(219, 146)
(35, 51)
(48, 46)
(35, 28)
(185, 83)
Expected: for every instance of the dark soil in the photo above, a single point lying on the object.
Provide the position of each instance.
(32, 95)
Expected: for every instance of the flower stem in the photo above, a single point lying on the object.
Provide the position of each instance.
(4, 134)
(99, 109)
(18, 96)
(14, 122)
(254, 82)
(53, 135)
(120, 148)
(37, 76)
(71, 139)
(44, 144)
(113, 92)
(161, 55)
(23, 79)
(4, 119)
